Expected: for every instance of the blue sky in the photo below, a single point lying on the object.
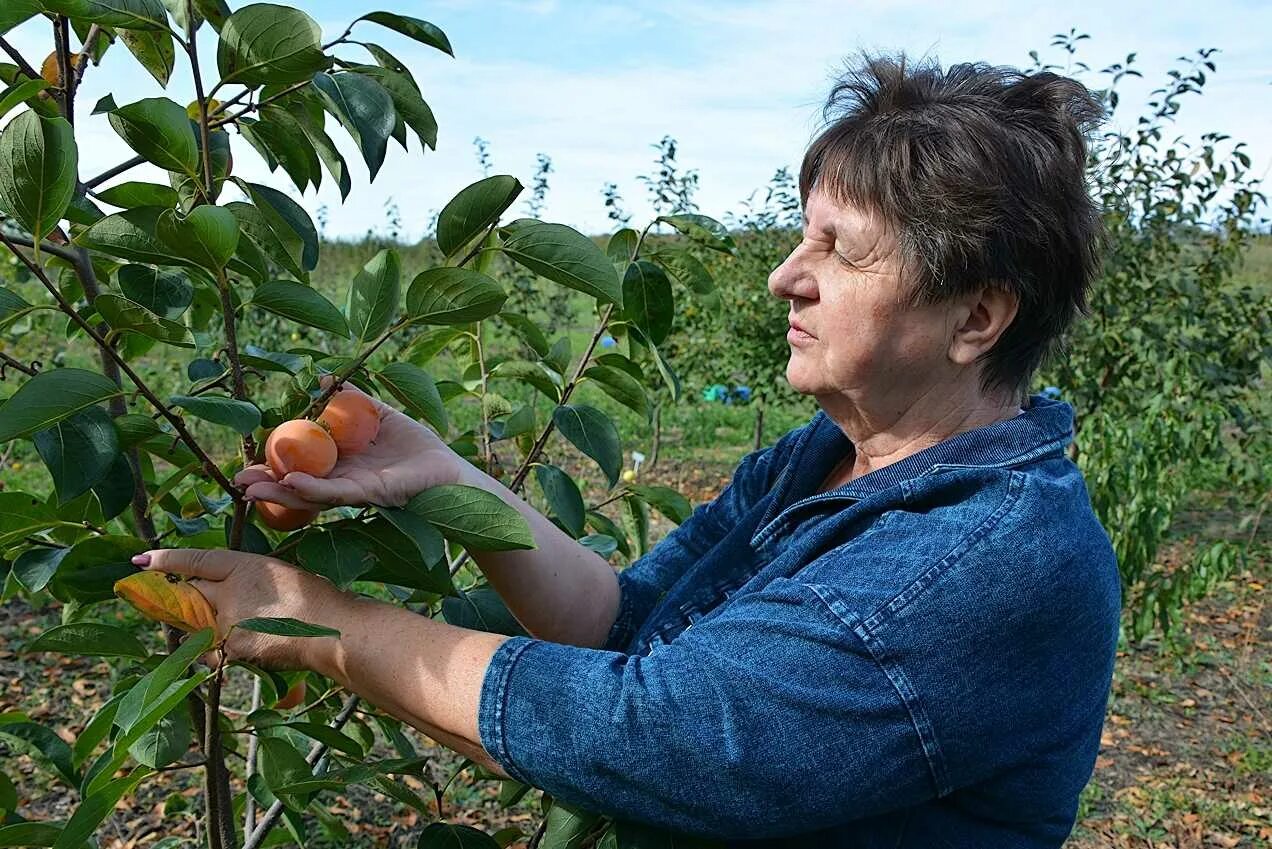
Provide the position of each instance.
(738, 83)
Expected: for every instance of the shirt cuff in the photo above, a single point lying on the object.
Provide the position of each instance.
(492, 707)
(629, 618)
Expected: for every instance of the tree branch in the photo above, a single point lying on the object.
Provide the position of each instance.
(23, 65)
(318, 403)
(114, 172)
(176, 421)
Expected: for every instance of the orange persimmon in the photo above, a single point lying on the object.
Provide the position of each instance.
(282, 518)
(352, 420)
(300, 445)
(294, 696)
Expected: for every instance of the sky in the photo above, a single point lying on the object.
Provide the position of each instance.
(738, 83)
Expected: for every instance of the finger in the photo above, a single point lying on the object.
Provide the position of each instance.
(325, 490)
(253, 474)
(210, 563)
(279, 494)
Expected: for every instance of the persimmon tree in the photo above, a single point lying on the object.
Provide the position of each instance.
(152, 272)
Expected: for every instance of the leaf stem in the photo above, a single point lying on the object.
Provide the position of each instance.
(318, 403)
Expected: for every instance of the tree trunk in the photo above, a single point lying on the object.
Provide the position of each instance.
(759, 423)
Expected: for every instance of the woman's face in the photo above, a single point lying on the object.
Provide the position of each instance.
(855, 334)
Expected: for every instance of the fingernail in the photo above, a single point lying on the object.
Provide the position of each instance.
(141, 559)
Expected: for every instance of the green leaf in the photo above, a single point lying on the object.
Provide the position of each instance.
(567, 827)
(280, 141)
(564, 256)
(421, 31)
(166, 742)
(131, 235)
(132, 14)
(97, 807)
(482, 609)
(312, 126)
(13, 306)
(620, 386)
(374, 295)
(409, 555)
(14, 12)
(418, 393)
(50, 397)
(444, 835)
(22, 90)
(285, 626)
(268, 44)
(474, 209)
(647, 300)
(242, 416)
(339, 556)
(704, 230)
(407, 101)
(22, 513)
(288, 220)
(602, 544)
(35, 567)
(115, 490)
(90, 569)
(78, 451)
(364, 108)
(330, 736)
(160, 132)
(105, 103)
(30, 834)
(300, 303)
(93, 639)
(453, 296)
(473, 517)
(207, 236)
(255, 230)
(686, 268)
(122, 314)
(593, 433)
(164, 292)
(38, 163)
(666, 500)
(385, 59)
(527, 331)
(621, 246)
(134, 194)
(153, 49)
(537, 375)
(37, 738)
(563, 496)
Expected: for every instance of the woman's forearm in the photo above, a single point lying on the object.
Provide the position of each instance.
(560, 590)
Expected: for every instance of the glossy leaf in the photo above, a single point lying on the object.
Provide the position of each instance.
(563, 496)
(131, 235)
(153, 49)
(473, 517)
(132, 14)
(265, 43)
(90, 569)
(242, 416)
(410, 106)
(255, 229)
(78, 451)
(593, 433)
(165, 743)
(14, 12)
(161, 598)
(30, 833)
(208, 236)
(420, 30)
(474, 209)
(158, 130)
(666, 500)
(22, 513)
(417, 392)
(564, 256)
(164, 292)
(21, 90)
(449, 295)
(35, 567)
(288, 219)
(567, 827)
(704, 230)
(133, 194)
(620, 386)
(527, 331)
(647, 300)
(339, 556)
(300, 303)
(50, 397)
(374, 295)
(686, 268)
(53, 750)
(122, 314)
(482, 610)
(93, 639)
(364, 108)
(38, 162)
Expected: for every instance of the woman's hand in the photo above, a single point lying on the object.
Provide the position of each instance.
(406, 457)
(241, 586)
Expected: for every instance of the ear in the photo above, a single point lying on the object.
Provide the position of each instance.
(989, 312)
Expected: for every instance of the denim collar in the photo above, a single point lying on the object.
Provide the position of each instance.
(1045, 427)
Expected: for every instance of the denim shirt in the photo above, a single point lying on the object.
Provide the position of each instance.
(920, 658)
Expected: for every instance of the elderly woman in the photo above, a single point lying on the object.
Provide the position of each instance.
(896, 626)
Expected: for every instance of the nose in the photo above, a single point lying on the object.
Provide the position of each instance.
(785, 281)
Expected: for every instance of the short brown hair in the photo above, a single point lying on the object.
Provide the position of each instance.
(981, 172)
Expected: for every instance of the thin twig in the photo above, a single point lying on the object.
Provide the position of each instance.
(58, 251)
(23, 65)
(126, 165)
(252, 107)
(318, 403)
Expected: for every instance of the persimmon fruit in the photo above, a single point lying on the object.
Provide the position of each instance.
(52, 72)
(300, 445)
(352, 420)
(294, 696)
(282, 518)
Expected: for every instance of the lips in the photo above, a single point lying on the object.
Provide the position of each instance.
(795, 325)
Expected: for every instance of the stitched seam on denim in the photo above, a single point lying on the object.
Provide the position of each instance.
(1055, 447)
(781, 522)
(916, 587)
(909, 697)
(500, 711)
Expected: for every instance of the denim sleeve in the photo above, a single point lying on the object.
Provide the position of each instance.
(770, 718)
(643, 582)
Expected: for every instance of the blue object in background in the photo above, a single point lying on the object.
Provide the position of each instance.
(715, 392)
(607, 341)
(719, 393)
(1052, 392)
